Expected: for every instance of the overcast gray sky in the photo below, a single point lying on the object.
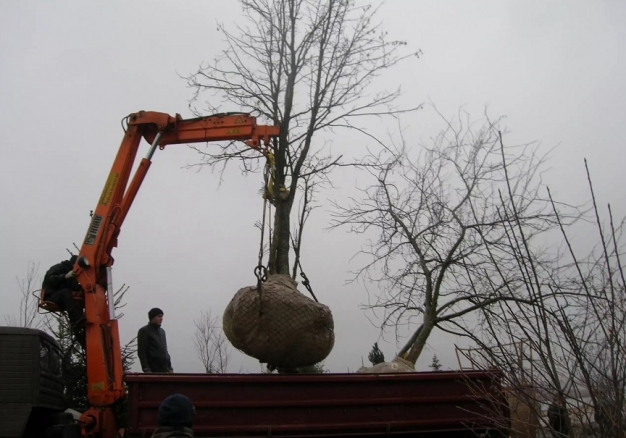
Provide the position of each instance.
(70, 70)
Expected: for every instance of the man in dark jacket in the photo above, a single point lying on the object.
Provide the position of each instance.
(59, 283)
(175, 417)
(152, 345)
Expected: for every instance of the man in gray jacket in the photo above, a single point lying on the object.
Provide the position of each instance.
(152, 345)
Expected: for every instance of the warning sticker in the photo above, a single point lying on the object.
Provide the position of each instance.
(239, 121)
(92, 232)
(109, 187)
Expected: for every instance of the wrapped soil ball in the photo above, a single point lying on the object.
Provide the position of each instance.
(285, 329)
(397, 365)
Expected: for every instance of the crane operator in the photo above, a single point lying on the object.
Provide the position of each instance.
(59, 283)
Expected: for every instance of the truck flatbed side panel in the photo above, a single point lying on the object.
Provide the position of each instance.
(324, 405)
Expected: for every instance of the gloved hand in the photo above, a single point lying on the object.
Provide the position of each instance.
(70, 274)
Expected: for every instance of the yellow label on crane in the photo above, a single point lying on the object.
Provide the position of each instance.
(109, 187)
(97, 386)
(239, 121)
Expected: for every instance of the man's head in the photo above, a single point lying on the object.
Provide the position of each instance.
(155, 316)
(176, 411)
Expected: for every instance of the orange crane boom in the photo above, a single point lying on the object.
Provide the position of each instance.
(104, 361)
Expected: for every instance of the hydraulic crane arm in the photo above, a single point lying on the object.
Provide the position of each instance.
(104, 361)
(229, 126)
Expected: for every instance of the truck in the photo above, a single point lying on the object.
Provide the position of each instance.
(427, 404)
(32, 402)
(291, 406)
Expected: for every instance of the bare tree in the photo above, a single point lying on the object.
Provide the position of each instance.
(211, 344)
(432, 214)
(310, 67)
(28, 315)
(593, 321)
(573, 333)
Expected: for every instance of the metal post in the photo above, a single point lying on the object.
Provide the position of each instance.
(110, 293)
(155, 143)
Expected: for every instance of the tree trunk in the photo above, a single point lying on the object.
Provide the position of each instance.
(420, 341)
(279, 251)
(278, 262)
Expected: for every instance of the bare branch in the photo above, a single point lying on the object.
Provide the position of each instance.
(28, 315)
(306, 65)
(445, 231)
(211, 344)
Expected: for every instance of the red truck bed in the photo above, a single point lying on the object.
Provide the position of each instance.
(325, 405)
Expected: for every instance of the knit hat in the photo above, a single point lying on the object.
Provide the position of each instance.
(154, 312)
(175, 411)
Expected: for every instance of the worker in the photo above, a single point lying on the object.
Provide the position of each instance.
(175, 417)
(557, 418)
(152, 345)
(59, 283)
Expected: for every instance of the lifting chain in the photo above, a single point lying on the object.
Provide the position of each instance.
(305, 280)
(260, 271)
(306, 283)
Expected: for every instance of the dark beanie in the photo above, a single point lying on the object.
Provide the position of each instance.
(154, 312)
(175, 411)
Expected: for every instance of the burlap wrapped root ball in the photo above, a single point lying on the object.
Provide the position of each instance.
(397, 365)
(292, 330)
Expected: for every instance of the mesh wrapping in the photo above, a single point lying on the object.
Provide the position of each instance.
(292, 330)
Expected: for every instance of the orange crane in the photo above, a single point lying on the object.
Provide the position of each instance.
(104, 362)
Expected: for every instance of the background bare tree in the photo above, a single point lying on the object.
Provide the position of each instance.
(597, 335)
(28, 315)
(573, 333)
(211, 344)
(308, 66)
(432, 214)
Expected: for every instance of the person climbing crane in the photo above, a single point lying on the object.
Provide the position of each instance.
(58, 286)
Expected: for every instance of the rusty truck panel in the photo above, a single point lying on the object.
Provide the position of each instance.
(324, 405)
